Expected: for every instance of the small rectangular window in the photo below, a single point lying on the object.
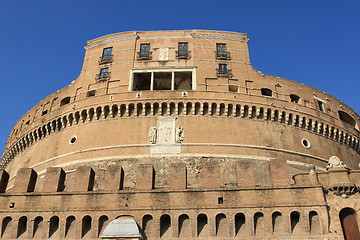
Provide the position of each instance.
(183, 51)
(321, 106)
(104, 74)
(106, 55)
(144, 51)
(91, 93)
(221, 51)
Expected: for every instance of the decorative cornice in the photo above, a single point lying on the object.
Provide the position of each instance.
(110, 40)
(222, 37)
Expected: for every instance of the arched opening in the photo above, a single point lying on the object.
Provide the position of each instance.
(102, 222)
(147, 225)
(70, 227)
(91, 114)
(221, 226)
(314, 223)
(230, 110)
(277, 222)
(114, 110)
(54, 226)
(205, 109)
(106, 112)
(22, 226)
(165, 226)
(38, 231)
(156, 109)
(184, 226)
(122, 110)
(188, 108)
(349, 224)
(163, 108)
(295, 222)
(202, 226)
(139, 109)
(180, 108)
(131, 109)
(259, 224)
(239, 224)
(65, 101)
(238, 110)
(266, 92)
(346, 118)
(77, 117)
(222, 109)
(197, 108)
(83, 115)
(172, 108)
(85, 226)
(147, 109)
(5, 226)
(213, 109)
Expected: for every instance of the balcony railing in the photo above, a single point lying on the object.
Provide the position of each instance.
(223, 72)
(222, 55)
(144, 55)
(103, 76)
(183, 54)
(106, 59)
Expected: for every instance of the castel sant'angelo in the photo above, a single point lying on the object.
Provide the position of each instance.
(173, 134)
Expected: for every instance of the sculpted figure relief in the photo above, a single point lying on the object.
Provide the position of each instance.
(153, 135)
(179, 134)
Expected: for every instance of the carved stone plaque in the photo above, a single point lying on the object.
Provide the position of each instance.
(166, 137)
(166, 130)
(163, 54)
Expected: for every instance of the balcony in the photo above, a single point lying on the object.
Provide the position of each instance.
(223, 72)
(144, 55)
(108, 58)
(103, 76)
(183, 54)
(222, 55)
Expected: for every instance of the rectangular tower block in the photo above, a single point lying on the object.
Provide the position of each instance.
(145, 177)
(279, 173)
(54, 180)
(25, 180)
(211, 175)
(84, 179)
(177, 176)
(114, 178)
(245, 175)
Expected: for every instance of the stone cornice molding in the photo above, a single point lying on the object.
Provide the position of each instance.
(110, 40)
(222, 37)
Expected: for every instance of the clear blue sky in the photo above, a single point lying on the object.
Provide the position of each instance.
(316, 42)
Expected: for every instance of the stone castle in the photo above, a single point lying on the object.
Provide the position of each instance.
(174, 135)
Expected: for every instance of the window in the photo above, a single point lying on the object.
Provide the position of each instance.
(91, 93)
(321, 105)
(104, 74)
(266, 92)
(65, 101)
(183, 51)
(223, 70)
(106, 56)
(294, 98)
(221, 52)
(144, 51)
(162, 80)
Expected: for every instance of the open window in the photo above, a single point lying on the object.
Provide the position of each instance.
(346, 118)
(65, 101)
(294, 98)
(162, 80)
(266, 92)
